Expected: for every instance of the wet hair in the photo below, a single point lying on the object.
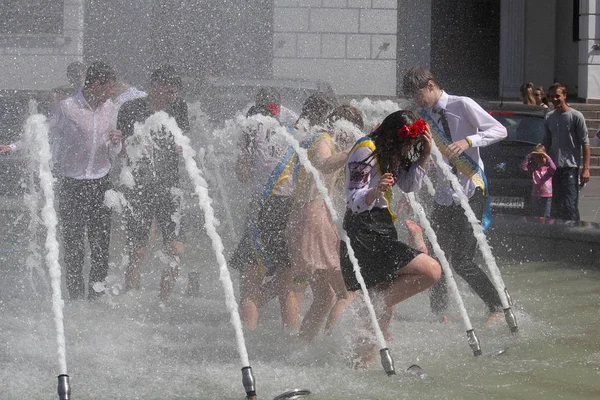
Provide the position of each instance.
(526, 91)
(389, 145)
(347, 112)
(76, 72)
(166, 75)
(99, 72)
(266, 96)
(316, 108)
(556, 86)
(417, 78)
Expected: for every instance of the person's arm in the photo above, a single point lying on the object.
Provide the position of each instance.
(585, 172)
(547, 142)
(585, 148)
(489, 130)
(323, 159)
(359, 196)
(526, 164)
(243, 165)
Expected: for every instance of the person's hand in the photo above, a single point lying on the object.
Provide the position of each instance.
(179, 149)
(584, 177)
(457, 148)
(115, 136)
(5, 149)
(426, 142)
(385, 182)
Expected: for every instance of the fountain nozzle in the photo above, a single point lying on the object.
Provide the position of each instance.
(387, 361)
(511, 320)
(64, 389)
(473, 342)
(248, 382)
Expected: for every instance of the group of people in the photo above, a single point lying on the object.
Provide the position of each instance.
(289, 235)
(554, 164)
(91, 131)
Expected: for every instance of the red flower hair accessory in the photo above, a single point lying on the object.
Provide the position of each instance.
(274, 108)
(412, 131)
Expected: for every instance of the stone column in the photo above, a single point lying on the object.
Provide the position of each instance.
(589, 51)
(512, 47)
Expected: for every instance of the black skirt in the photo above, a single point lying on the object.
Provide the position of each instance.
(380, 254)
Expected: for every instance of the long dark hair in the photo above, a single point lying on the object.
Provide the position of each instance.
(388, 152)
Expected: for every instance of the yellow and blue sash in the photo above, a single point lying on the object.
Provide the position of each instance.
(463, 163)
(368, 142)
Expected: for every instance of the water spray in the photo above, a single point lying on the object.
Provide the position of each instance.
(386, 359)
(484, 246)
(156, 122)
(441, 256)
(64, 388)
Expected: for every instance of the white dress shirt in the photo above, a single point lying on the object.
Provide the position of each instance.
(83, 149)
(466, 119)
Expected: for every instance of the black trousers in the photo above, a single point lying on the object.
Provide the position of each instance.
(565, 194)
(82, 209)
(455, 236)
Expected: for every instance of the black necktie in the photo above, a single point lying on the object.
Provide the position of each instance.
(444, 121)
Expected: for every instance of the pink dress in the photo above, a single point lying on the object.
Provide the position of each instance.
(313, 241)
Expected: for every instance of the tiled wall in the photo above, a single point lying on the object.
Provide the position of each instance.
(349, 43)
(31, 62)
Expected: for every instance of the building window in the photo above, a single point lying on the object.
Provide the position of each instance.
(31, 17)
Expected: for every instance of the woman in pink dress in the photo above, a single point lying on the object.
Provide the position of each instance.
(313, 241)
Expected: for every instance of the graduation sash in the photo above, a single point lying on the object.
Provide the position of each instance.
(463, 163)
(369, 143)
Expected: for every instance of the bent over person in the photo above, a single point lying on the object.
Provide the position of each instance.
(155, 192)
(84, 128)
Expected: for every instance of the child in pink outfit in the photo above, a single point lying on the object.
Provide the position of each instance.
(541, 167)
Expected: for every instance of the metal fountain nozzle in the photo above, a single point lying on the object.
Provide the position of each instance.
(511, 320)
(473, 342)
(248, 382)
(508, 298)
(64, 389)
(387, 361)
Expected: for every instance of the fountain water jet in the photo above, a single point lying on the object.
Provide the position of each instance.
(424, 222)
(156, 122)
(36, 128)
(386, 358)
(479, 235)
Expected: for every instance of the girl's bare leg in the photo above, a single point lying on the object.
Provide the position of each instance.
(422, 272)
(323, 297)
(250, 297)
(344, 298)
(288, 302)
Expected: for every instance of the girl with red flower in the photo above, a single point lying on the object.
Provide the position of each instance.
(396, 152)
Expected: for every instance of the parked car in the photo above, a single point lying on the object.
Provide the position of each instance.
(222, 97)
(509, 186)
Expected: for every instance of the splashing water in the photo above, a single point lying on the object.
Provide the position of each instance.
(424, 222)
(36, 127)
(477, 229)
(156, 122)
(273, 125)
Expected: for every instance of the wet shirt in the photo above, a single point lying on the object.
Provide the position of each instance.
(466, 119)
(80, 135)
(362, 174)
(566, 132)
(268, 151)
(161, 165)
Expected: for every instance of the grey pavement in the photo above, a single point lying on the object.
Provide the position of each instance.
(589, 201)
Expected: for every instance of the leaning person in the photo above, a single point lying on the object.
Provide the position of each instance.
(460, 126)
(396, 153)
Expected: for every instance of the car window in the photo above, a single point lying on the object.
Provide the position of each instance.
(523, 127)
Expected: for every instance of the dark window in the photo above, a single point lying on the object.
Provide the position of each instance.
(25, 17)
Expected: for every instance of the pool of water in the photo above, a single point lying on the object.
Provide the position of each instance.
(128, 346)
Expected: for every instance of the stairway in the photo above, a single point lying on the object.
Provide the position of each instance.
(591, 112)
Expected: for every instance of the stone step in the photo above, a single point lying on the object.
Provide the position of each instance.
(584, 107)
(594, 170)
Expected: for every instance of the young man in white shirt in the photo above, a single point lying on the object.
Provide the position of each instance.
(470, 127)
(84, 128)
